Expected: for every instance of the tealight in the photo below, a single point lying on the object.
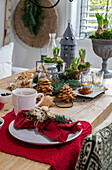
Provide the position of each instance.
(86, 84)
(96, 82)
(86, 79)
(97, 78)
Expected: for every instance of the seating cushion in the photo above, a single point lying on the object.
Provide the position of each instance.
(96, 151)
(6, 60)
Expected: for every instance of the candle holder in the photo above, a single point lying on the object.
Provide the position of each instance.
(97, 78)
(86, 79)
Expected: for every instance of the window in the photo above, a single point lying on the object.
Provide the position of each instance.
(85, 22)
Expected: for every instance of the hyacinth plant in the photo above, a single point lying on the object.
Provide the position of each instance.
(55, 59)
(82, 54)
(83, 66)
(103, 31)
(100, 23)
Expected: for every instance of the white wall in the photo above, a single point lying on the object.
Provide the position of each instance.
(2, 14)
(25, 56)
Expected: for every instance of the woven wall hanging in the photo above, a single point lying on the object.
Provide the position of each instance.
(49, 25)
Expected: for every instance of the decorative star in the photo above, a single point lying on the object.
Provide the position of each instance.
(48, 101)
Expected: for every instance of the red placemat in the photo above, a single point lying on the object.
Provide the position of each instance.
(61, 157)
(1, 105)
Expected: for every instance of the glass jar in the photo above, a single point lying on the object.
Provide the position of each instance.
(97, 78)
(51, 45)
(86, 79)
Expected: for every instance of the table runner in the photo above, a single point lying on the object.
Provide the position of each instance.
(61, 157)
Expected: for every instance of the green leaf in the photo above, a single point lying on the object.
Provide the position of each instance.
(61, 119)
(56, 52)
(105, 21)
(99, 19)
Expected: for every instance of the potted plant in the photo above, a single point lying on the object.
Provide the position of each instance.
(55, 61)
(102, 43)
(83, 66)
(73, 71)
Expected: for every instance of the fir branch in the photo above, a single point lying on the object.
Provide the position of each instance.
(61, 119)
(32, 16)
(31, 117)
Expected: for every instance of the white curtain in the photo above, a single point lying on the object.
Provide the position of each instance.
(2, 16)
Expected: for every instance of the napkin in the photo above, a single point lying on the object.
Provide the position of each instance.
(1, 105)
(56, 131)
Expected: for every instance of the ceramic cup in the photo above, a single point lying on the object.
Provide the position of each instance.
(25, 99)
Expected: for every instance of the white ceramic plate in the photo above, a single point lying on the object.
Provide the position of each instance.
(32, 136)
(92, 95)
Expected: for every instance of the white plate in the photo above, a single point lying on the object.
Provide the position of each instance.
(32, 136)
(92, 95)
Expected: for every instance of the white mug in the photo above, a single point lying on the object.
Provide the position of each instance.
(25, 99)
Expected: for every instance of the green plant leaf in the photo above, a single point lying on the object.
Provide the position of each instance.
(56, 52)
(99, 19)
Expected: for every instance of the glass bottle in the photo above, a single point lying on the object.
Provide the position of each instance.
(51, 45)
(43, 52)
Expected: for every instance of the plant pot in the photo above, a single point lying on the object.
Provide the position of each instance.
(61, 67)
(58, 68)
(86, 70)
(75, 76)
(103, 48)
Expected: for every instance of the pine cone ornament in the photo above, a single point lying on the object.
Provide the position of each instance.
(44, 86)
(66, 93)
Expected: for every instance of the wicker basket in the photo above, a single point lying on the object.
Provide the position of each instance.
(49, 25)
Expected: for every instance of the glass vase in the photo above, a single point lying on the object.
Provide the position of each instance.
(51, 45)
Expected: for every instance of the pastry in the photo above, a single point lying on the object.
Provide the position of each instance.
(66, 93)
(44, 86)
(85, 90)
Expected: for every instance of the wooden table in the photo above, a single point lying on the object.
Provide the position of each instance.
(94, 111)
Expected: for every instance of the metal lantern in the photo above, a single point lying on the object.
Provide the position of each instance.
(68, 44)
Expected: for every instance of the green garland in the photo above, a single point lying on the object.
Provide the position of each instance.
(57, 85)
(32, 16)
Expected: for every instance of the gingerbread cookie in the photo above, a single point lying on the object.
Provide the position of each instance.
(48, 101)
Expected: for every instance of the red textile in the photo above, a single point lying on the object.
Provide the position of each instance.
(61, 157)
(54, 130)
(1, 105)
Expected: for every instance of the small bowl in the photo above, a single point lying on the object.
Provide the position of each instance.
(5, 99)
(1, 122)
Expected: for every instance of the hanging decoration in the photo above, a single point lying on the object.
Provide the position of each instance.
(32, 16)
(48, 25)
